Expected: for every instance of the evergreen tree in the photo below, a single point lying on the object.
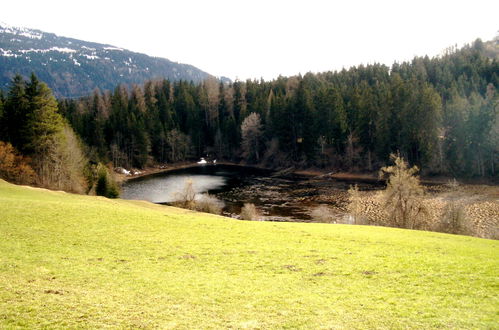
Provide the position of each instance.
(302, 114)
(2, 124)
(44, 124)
(96, 123)
(16, 111)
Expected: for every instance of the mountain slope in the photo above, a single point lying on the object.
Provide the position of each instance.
(71, 261)
(74, 67)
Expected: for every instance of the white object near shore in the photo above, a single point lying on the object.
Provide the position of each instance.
(121, 170)
(202, 161)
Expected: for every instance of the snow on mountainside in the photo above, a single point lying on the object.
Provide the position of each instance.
(74, 67)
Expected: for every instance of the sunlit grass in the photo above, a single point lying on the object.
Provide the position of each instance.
(79, 261)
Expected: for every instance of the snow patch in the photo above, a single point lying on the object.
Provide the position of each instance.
(89, 48)
(7, 53)
(91, 57)
(53, 49)
(114, 48)
(20, 31)
(76, 62)
(63, 50)
(31, 35)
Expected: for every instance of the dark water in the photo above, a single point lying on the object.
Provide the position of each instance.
(212, 179)
(289, 198)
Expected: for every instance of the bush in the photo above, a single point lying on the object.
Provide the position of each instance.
(355, 207)
(14, 167)
(323, 213)
(403, 196)
(105, 185)
(209, 204)
(249, 212)
(186, 198)
(454, 218)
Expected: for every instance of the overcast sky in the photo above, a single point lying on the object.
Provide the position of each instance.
(253, 39)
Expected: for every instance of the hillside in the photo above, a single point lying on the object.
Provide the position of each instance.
(73, 68)
(71, 261)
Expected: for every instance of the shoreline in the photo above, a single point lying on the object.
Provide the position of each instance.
(152, 170)
(308, 173)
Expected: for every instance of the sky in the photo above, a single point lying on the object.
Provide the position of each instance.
(253, 39)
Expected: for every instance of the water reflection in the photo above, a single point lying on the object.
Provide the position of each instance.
(165, 189)
(290, 198)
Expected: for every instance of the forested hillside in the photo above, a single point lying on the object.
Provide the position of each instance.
(73, 68)
(440, 113)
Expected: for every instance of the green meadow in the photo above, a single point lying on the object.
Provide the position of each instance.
(72, 261)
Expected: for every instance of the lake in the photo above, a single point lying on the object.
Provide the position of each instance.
(279, 198)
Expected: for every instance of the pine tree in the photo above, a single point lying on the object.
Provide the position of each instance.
(44, 124)
(16, 111)
(302, 129)
(55, 150)
(2, 124)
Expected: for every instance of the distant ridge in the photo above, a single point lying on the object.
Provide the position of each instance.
(74, 68)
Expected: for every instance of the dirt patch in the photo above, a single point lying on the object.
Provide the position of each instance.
(292, 268)
(188, 256)
(369, 272)
(50, 291)
(319, 274)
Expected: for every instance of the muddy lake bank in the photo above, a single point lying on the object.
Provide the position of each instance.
(293, 195)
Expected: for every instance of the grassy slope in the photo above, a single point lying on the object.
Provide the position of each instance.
(79, 261)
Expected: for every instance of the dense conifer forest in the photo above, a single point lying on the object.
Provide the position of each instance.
(439, 113)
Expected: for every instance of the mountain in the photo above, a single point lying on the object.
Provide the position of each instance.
(74, 68)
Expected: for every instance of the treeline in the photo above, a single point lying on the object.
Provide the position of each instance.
(439, 113)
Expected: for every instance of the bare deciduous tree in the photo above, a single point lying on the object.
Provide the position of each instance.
(251, 133)
(179, 145)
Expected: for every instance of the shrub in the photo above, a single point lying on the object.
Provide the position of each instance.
(323, 213)
(453, 219)
(209, 204)
(249, 212)
(105, 185)
(355, 206)
(14, 167)
(403, 196)
(186, 198)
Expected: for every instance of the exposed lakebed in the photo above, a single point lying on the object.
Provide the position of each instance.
(278, 197)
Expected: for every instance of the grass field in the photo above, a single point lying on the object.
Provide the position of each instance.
(69, 261)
